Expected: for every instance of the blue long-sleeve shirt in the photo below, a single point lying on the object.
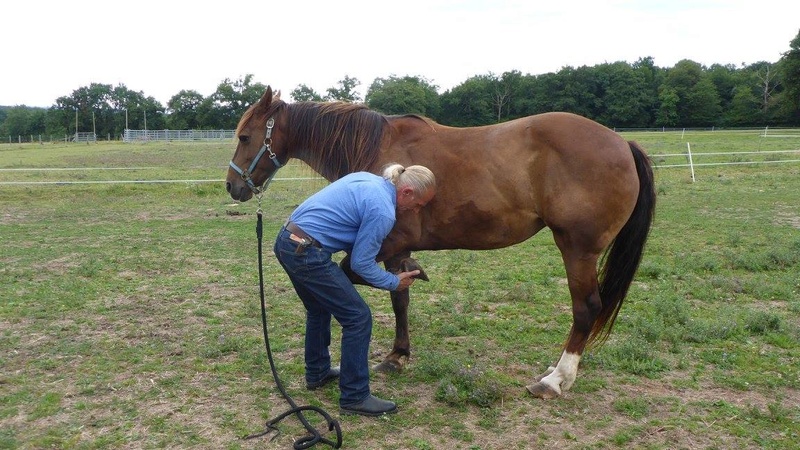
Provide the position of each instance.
(353, 214)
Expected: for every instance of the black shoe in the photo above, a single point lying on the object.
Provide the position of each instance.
(371, 406)
(333, 374)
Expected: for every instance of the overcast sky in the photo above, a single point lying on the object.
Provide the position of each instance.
(51, 48)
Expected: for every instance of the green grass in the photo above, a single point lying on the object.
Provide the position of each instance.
(129, 315)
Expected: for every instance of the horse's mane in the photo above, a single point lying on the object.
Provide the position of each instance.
(245, 119)
(339, 137)
(335, 138)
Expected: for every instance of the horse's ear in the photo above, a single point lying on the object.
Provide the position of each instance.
(277, 96)
(265, 101)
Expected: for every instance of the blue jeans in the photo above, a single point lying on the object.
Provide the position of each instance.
(326, 291)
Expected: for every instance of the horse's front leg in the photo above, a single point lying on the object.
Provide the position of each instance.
(401, 349)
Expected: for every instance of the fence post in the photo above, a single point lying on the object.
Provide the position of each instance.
(691, 164)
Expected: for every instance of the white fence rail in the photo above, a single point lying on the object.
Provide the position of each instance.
(766, 154)
(735, 158)
(82, 136)
(176, 135)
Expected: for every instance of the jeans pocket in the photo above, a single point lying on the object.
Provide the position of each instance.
(300, 262)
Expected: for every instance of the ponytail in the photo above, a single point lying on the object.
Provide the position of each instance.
(419, 178)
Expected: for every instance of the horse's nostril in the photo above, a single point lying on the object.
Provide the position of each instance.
(228, 186)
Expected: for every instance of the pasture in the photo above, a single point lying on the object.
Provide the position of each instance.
(129, 314)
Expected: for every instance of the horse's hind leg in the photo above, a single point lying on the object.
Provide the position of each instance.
(581, 269)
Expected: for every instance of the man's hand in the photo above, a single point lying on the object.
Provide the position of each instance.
(406, 279)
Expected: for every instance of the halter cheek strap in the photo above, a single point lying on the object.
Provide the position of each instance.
(247, 175)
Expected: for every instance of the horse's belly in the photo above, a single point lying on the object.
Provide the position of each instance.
(487, 229)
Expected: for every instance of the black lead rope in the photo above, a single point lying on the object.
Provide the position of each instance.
(314, 436)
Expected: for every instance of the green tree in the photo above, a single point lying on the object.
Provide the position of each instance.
(79, 109)
(232, 98)
(767, 82)
(54, 123)
(506, 90)
(345, 92)
(17, 122)
(744, 108)
(130, 108)
(522, 102)
(303, 93)
(702, 104)
(790, 75)
(698, 100)
(667, 115)
(725, 79)
(404, 95)
(469, 104)
(103, 109)
(653, 78)
(543, 93)
(581, 92)
(625, 98)
(209, 116)
(752, 98)
(182, 109)
(680, 79)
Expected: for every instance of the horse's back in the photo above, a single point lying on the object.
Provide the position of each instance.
(500, 184)
(578, 137)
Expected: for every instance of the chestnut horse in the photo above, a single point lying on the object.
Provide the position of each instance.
(497, 186)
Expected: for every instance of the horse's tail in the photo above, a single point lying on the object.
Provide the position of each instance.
(622, 258)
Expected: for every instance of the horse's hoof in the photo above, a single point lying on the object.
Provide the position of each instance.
(409, 264)
(389, 366)
(541, 390)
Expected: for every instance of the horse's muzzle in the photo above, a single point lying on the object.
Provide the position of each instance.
(239, 191)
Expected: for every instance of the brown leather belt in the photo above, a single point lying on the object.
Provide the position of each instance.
(300, 236)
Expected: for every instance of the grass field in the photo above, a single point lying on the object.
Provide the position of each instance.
(129, 314)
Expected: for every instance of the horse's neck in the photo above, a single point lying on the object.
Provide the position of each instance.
(308, 157)
(323, 152)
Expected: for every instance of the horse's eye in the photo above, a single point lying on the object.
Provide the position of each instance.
(244, 139)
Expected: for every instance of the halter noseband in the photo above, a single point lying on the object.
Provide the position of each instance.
(247, 175)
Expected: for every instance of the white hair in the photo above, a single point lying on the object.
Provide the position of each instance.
(418, 178)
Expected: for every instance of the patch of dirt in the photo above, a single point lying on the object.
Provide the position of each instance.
(785, 217)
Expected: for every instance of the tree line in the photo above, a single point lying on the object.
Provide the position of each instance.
(619, 94)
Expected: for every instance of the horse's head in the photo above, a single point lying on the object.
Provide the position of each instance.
(260, 151)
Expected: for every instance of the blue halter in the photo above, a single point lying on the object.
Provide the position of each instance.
(247, 175)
